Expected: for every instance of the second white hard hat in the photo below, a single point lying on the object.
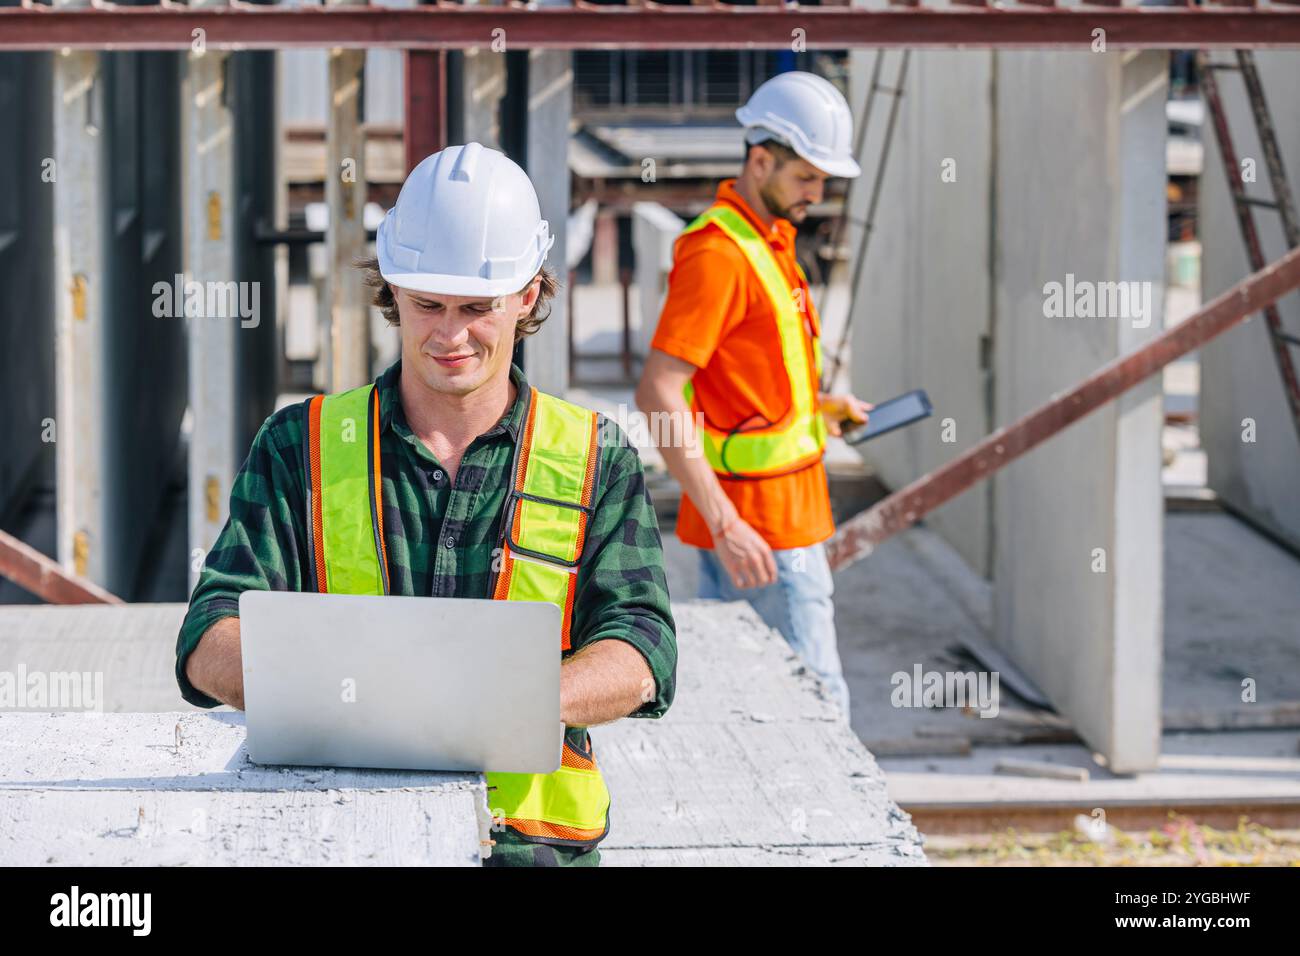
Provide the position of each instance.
(467, 222)
(809, 115)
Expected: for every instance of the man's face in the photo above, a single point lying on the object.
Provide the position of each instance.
(790, 189)
(456, 343)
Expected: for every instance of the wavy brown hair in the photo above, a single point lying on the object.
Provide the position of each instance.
(381, 297)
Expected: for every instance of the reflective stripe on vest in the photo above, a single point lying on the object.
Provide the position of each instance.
(346, 496)
(545, 518)
(798, 438)
(546, 514)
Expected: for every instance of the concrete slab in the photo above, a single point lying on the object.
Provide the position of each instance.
(1231, 613)
(915, 603)
(178, 789)
(1232, 626)
(752, 764)
(756, 856)
(133, 647)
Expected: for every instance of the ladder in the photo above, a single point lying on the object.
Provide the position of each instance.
(1283, 203)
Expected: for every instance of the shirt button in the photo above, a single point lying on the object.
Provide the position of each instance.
(451, 542)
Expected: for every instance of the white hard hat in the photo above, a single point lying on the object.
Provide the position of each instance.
(467, 222)
(809, 115)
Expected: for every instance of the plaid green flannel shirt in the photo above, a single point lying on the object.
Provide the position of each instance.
(441, 540)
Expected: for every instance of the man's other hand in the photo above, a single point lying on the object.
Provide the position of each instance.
(837, 408)
(746, 556)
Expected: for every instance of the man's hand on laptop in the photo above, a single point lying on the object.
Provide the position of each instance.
(216, 666)
(603, 682)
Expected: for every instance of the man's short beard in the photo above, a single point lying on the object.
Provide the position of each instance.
(774, 208)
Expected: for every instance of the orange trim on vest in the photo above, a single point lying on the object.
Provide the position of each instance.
(571, 758)
(589, 483)
(379, 487)
(317, 523)
(554, 831)
(502, 589)
(588, 486)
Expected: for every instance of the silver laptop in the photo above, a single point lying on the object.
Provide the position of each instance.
(412, 683)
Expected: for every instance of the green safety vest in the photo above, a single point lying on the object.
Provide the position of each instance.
(798, 438)
(544, 525)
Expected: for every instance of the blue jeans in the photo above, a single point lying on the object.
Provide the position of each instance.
(798, 605)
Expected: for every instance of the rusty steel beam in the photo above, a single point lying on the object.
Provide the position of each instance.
(425, 113)
(44, 577)
(646, 26)
(860, 535)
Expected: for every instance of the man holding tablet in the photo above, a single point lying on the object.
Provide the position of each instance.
(449, 476)
(737, 343)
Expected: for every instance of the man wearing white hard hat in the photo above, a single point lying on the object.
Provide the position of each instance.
(737, 345)
(450, 476)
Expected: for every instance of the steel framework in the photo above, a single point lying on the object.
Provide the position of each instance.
(1038, 24)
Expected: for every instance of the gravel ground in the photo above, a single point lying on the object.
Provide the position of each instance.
(1180, 842)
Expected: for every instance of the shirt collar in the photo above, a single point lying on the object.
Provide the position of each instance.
(392, 415)
(781, 232)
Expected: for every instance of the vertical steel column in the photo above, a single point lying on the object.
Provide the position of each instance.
(210, 257)
(345, 194)
(79, 218)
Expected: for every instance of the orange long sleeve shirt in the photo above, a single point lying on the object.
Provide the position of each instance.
(718, 318)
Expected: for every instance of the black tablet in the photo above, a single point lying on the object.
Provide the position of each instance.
(887, 416)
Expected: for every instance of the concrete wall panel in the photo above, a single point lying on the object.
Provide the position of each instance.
(921, 310)
(1057, 169)
(1080, 191)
